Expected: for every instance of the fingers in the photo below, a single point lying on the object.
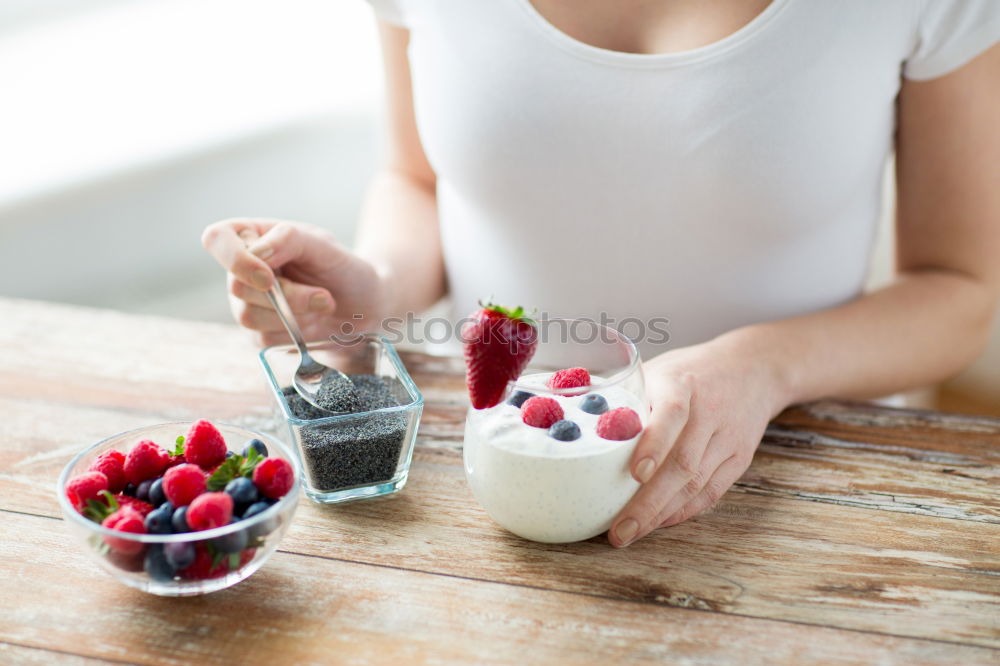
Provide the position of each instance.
(681, 469)
(666, 421)
(724, 477)
(715, 454)
(312, 249)
(224, 242)
(301, 298)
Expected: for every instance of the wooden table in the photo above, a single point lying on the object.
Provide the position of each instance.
(859, 535)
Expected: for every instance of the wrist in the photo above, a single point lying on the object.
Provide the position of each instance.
(756, 352)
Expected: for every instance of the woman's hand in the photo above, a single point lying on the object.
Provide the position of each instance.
(710, 406)
(330, 289)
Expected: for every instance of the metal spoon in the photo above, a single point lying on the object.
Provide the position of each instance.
(312, 377)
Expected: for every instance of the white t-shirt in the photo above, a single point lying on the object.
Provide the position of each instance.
(717, 187)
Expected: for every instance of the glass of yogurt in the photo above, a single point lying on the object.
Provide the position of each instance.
(558, 482)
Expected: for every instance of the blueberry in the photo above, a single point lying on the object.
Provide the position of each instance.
(179, 520)
(518, 398)
(156, 564)
(229, 454)
(156, 494)
(158, 521)
(255, 444)
(264, 527)
(231, 543)
(564, 431)
(255, 508)
(179, 554)
(243, 491)
(129, 490)
(594, 404)
(142, 490)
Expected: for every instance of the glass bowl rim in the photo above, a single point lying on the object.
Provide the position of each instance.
(289, 500)
(404, 376)
(617, 378)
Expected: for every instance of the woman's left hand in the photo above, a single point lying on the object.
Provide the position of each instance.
(710, 406)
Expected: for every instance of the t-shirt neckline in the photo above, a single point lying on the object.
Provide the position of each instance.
(671, 59)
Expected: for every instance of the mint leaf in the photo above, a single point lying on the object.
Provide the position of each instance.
(97, 511)
(179, 449)
(227, 471)
(234, 561)
(250, 462)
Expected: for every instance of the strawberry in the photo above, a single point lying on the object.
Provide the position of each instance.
(86, 486)
(206, 565)
(569, 378)
(622, 423)
(541, 412)
(145, 461)
(125, 519)
(204, 445)
(112, 465)
(138, 505)
(498, 344)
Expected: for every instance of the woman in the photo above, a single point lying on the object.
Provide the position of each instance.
(714, 162)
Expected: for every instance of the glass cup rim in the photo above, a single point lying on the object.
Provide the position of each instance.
(617, 378)
(290, 498)
(416, 402)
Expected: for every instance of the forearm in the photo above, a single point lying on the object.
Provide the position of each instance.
(399, 234)
(923, 328)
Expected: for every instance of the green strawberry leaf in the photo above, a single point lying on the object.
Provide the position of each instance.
(234, 561)
(179, 448)
(514, 314)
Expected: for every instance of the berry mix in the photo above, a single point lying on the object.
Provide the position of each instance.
(620, 423)
(199, 485)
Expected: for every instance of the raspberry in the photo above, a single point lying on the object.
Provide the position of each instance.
(137, 504)
(569, 378)
(274, 477)
(145, 461)
(210, 510)
(204, 445)
(541, 412)
(621, 423)
(112, 465)
(125, 519)
(86, 486)
(183, 483)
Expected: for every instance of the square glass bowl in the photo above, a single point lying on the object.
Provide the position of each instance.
(349, 456)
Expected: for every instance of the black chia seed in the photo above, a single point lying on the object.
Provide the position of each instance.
(337, 393)
(358, 451)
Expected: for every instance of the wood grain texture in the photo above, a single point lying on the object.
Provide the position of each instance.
(852, 516)
(311, 610)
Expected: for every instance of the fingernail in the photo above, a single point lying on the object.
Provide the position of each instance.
(260, 279)
(626, 530)
(262, 251)
(317, 303)
(644, 470)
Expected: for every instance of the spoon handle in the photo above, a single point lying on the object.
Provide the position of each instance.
(277, 298)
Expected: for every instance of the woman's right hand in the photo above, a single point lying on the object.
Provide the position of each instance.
(329, 288)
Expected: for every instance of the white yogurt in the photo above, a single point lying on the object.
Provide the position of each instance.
(544, 489)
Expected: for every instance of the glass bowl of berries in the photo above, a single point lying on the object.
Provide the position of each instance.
(181, 509)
